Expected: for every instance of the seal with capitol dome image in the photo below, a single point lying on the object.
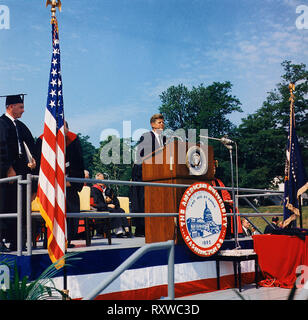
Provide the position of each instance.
(202, 219)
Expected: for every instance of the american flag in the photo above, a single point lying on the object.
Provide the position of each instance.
(296, 182)
(51, 186)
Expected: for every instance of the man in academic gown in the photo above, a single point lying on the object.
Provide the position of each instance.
(104, 199)
(148, 143)
(75, 169)
(17, 158)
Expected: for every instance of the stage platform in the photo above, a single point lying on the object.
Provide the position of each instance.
(99, 243)
(249, 293)
(146, 279)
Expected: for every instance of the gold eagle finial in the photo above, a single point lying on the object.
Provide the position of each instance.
(54, 4)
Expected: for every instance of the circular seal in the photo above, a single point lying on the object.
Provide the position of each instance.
(202, 219)
(196, 161)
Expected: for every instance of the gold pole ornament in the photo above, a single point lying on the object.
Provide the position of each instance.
(54, 4)
(291, 99)
(288, 159)
(292, 116)
(292, 89)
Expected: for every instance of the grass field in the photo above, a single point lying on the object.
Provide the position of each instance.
(260, 223)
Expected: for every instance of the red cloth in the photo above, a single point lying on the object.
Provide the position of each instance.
(279, 256)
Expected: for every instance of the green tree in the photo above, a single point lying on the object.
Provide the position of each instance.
(109, 160)
(262, 136)
(88, 152)
(200, 108)
(176, 107)
(203, 108)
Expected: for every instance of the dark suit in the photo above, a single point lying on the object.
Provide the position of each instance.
(11, 157)
(247, 232)
(270, 228)
(147, 144)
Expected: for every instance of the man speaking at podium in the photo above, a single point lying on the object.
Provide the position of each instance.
(154, 139)
(148, 143)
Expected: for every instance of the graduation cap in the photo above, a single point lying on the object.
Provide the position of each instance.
(14, 99)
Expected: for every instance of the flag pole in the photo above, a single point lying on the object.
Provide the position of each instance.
(54, 5)
(292, 123)
(300, 212)
(296, 182)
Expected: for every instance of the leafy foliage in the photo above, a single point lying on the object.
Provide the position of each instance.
(200, 108)
(41, 289)
(109, 160)
(88, 152)
(263, 135)
(203, 108)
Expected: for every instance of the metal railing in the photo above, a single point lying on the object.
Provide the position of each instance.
(30, 214)
(18, 214)
(169, 245)
(257, 213)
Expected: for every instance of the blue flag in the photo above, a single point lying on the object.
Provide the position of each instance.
(296, 182)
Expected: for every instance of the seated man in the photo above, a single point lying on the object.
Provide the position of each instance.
(113, 205)
(246, 228)
(99, 194)
(273, 226)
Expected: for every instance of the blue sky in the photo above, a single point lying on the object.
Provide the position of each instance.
(118, 56)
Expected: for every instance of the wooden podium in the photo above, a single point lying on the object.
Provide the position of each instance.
(168, 165)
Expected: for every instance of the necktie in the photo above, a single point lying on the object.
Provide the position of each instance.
(18, 137)
(160, 140)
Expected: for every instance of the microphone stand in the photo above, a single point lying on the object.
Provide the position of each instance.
(227, 143)
(237, 245)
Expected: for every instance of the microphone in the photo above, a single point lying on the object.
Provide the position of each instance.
(223, 140)
(226, 140)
